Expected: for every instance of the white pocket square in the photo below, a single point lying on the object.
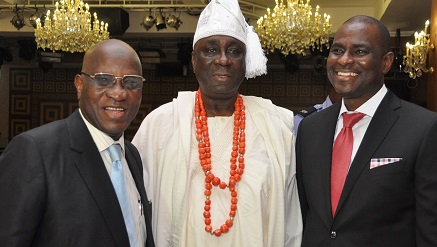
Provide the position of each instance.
(376, 162)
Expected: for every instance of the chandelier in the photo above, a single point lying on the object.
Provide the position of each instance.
(292, 28)
(70, 28)
(417, 53)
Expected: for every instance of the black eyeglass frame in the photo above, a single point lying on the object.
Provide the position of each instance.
(103, 85)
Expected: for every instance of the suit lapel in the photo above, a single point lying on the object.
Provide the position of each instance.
(92, 169)
(380, 125)
(135, 168)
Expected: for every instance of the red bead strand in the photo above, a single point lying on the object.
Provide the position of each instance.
(237, 157)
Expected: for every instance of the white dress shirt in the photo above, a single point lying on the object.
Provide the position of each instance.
(103, 141)
(359, 129)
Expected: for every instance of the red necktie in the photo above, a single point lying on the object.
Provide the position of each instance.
(341, 156)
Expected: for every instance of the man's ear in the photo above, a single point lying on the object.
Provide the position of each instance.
(78, 83)
(388, 60)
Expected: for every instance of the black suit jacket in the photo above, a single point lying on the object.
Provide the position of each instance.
(391, 205)
(55, 190)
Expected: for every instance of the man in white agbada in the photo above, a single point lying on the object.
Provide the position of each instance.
(220, 167)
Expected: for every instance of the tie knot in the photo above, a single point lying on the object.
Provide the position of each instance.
(115, 152)
(349, 120)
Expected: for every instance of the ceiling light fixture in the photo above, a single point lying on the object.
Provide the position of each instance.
(18, 19)
(160, 21)
(292, 28)
(70, 28)
(174, 21)
(33, 17)
(149, 20)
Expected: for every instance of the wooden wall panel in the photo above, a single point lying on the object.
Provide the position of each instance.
(38, 97)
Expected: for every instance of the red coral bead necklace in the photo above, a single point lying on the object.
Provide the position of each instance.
(237, 156)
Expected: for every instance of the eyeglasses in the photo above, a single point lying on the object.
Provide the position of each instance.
(106, 80)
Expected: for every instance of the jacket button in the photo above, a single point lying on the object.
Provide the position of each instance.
(333, 234)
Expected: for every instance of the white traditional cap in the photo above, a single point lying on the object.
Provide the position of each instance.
(224, 17)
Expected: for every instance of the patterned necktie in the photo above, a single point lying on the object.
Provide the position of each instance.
(117, 179)
(341, 156)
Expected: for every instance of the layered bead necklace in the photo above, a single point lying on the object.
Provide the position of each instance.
(237, 155)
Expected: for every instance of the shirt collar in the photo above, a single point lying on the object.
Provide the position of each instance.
(102, 140)
(327, 102)
(369, 107)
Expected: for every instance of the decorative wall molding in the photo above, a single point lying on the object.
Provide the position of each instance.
(38, 97)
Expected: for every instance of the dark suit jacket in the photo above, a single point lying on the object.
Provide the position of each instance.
(55, 190)
(391, 205)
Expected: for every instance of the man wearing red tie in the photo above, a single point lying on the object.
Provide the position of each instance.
(367, 166)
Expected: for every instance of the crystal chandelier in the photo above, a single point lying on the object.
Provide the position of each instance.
(292, 28)
(417, 53)
(70, 28)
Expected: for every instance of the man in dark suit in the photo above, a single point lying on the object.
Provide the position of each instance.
(55, 184)
(389, 196)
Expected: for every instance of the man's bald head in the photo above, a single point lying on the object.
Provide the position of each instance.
(110, 106)
(108, 50)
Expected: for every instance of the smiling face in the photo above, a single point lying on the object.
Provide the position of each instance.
(109, 109)
(357, 62)
(219, 64)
